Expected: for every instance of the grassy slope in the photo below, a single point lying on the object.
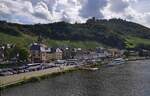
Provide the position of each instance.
(81, 44)
(132, 42)
(25, 40)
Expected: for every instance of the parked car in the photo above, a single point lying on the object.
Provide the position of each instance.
(5, 72)
(46, 66)
(21, 71)
(14, 72)
(34, 68)
(26, 70)
(1, 70)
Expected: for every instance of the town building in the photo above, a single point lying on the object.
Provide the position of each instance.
(40, 53)
(69, 53)
(115, 52)
(58, 54)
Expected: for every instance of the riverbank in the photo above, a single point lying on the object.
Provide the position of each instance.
(130, 79)
(137, 58)
(18, 79)
(12, 80)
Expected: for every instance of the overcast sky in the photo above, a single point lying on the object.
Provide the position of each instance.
(47, 11)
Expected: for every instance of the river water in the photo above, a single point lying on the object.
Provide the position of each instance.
(132, 79)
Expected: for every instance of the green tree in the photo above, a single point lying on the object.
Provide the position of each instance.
(127, 53)
(23, 54)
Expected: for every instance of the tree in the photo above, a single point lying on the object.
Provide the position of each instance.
(23, 54)
(20, 53)
(127, 53)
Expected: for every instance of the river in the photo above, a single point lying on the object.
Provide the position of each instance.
(132, 79)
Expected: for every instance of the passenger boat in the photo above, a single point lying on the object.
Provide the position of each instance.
(117, 61)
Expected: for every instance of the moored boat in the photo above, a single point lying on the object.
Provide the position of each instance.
(90, 69)
(117, 61)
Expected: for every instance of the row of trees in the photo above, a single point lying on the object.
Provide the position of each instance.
(16, 52)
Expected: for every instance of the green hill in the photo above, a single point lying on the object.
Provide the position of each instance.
(114, 33)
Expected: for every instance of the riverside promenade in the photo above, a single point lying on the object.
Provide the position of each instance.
(17, 78)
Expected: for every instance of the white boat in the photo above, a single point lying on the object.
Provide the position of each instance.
(90, 69)
(117, 61)
(94, 69)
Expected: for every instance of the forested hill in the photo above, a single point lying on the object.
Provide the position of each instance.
(114, 32)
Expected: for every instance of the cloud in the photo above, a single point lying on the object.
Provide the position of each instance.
(41, 11)
(92, 8)
(118, 5)
(47, 11)
(126, 9)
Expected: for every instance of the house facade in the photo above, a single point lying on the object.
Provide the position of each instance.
(40, 53)
(115, 52)
(58, 54)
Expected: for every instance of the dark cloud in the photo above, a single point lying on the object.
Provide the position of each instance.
(118, 5)
(92, 8)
